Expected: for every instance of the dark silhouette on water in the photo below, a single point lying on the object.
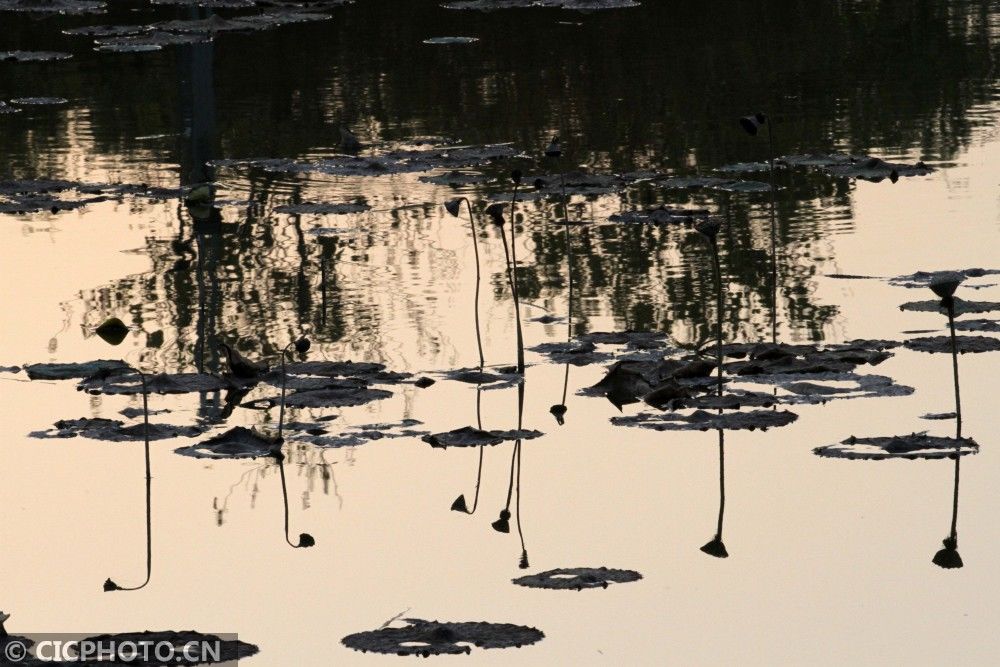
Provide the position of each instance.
(239, 366)
(710, 230)
(554, 151)
(110, 585)
(502, 524)
(751, 125)
(454, 208)
(302, 346)
(945, 286)
(305, 539)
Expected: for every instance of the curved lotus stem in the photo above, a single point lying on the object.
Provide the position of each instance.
(110, 585)
(948, 557)
(305, 539)
(513, 280)
(459, 505)
(716, 547)
(774, 236)
(301, 346)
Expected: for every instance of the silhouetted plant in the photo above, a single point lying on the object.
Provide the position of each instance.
(305, 539)
(454, 207)
(302, 346)
(752, 124)
(944, 286)
(109, 584)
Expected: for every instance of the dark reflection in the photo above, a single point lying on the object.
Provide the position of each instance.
(502, 524)
(716, 547)
(110, 585)
(945, 287)
(554, 151)
(287, 105)
(305, 539)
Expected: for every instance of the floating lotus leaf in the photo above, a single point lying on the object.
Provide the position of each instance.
(965, 344)
(692, 182)
(660, 215)
(806, 388)
(209, 4)
(154, 40)
(10, 369)
(816, 160)
(456, 179)
(426, 638)
(7, 109)
(133, 413)
(30, 204)
(451, 40)
(324, 209)
(114, 430)
(359, 435)
(213, 23)
(53, 6)
(106, 30)
(467, 436)
(743, 167)
(279, 18)
(129, 47)
(33, 56)
(743, 186)
(334, 368)
(236, 443)
(220, 650)
(913, 446)
(578, 353)
(161, 383)
(341, 394)
(734, 399)
(701, 420)
(518, 434)
(925, 278)
(634, 339)
(478, 377)
(577, 578)
(38, 101)
(991, 326)
(74, 370)
(875, 169)
(393, 162)
(938, 415)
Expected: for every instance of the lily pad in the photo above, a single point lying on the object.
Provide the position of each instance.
(392, 162)
(875, 169)
(451, 40)
(991, 326)
(579, 5)
(153, 40)
(74, 370)
(456, 179)
(743, 167)
(161, 383)
(478, 377)
(236, 443)
(964, 344)
(578, 353)
(7, 109)
(962, 307)
(426, 638)
(33, 56)
(467, 436)
(577, 578)
(114, 430)
(213, 23)
(359, 435)
(817, 160)
(660, 215)
(701, 420)
(810, 388)
(53, 6)
(640, 340)
(340, 394)
(38, 101)
(107, 30)
(335, 368)
(922, 279)
(324, 209)
(938, 416)
(913, 446)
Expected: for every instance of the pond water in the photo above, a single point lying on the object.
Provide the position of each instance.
(829, 560)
